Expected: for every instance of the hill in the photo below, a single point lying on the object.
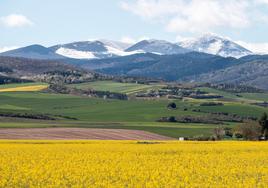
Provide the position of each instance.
(33, 52)
(253, 73)
(168, 67)
(190, 67)
(23, 69)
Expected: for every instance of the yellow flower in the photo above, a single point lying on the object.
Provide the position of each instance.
(128, 164)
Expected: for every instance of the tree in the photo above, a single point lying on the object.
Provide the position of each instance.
(219, 133)
(172, 119)
(263, 121)
(250, 131)
(172, 105)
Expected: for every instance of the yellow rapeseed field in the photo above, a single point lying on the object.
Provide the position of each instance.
(24, 88)
(131, 164)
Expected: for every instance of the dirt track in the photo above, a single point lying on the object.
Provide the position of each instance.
(78, 134)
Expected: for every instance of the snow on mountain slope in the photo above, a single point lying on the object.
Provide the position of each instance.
(159, 47)
(216, 45)
(100, 49)
(71, 53)
(93, 49)
(116, 44)
(107, 48)
(119, 52)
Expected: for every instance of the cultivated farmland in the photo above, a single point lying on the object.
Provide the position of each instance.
(133, 164)
(134, 114)
(23, 87)
(126, 88)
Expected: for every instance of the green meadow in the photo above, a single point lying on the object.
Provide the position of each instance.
(126, 88)
(136, 114)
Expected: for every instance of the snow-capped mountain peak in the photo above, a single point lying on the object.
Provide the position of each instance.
(99, 49)
(116, 44)
(161, 47)
(92, 49)
(213, 44)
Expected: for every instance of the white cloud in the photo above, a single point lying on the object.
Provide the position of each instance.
(7, 48)
(15, 20)
(259, 48)
(262, 1)
(151, 9)
(195, 15)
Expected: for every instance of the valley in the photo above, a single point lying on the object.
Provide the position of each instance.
(133, 94)
(73, 111)
(164, 88)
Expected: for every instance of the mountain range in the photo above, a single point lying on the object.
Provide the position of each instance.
(209, 58)
(101, 49)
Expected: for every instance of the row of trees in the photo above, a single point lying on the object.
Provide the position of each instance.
(62, 89)
(252, 130)
(249, 131)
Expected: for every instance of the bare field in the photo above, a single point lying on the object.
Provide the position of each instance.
(78, 134)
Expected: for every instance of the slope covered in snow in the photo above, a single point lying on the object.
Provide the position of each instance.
(116, 44)
(160, 47)
(72, 53)
(216, 45)
(93, 49)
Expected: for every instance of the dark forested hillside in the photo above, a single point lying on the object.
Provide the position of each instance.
(191, 67)
(168, 67)
(253, 73)
(19, 69)
(194, 67)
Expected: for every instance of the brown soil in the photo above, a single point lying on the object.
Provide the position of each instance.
(78, 134)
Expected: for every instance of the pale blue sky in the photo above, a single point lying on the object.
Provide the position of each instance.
(50, 22)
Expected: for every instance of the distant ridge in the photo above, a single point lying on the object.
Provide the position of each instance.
(34, 52)
(160, 47)
(105, 48)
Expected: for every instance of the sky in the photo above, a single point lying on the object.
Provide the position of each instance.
(50, 22)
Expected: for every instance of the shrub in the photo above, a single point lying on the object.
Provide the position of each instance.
(201, 138)
(211, 104)
(172, 119)
(238, 135)
(168, 119)
(172, 105)
(228, 132)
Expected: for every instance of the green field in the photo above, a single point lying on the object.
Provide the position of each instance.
(136, 114)
(127, 88)
(242, 97)
(256, 96)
